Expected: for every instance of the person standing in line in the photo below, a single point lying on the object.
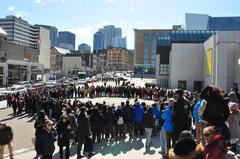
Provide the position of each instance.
(181, 116)
(138, 118)
(233, 120)
(63, 131)
(167, 125)
(45, 145)
(6, 137)
(148, 122)
(83, 131)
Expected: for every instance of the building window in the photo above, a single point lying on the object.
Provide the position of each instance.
(182, 84)
(164, 69)
(197, 86)
(146, 34)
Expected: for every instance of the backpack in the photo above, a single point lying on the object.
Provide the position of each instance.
(120, 120)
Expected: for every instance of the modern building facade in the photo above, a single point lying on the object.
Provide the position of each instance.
(66, 40)
(98, 41)
(206, 22)
(53, 34)
(84, 48)
(213, 62)
(18, 62)
(165, 48)
(145, 45)
(44, 47)
(20, 31)
(119, 59)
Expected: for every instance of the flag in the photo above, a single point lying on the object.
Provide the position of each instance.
(38, 41)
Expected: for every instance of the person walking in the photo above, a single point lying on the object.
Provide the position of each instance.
(148, 123)
(6, 137)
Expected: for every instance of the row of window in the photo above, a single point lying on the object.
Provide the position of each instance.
(164, 69)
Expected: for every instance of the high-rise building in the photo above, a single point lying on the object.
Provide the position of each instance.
(53, 34)
(66, 40)
(117, 32)
(84, 48)
(109, 33)
(20, 31)
(206, 22)
(98, 41)
(119, 42)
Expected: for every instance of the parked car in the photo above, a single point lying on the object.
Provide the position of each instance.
(26, 84)
(51, 84)
(14, 89)
(2, 96)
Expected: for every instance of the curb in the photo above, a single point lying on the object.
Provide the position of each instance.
(19, 152)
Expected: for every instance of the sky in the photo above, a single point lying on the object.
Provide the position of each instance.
(85, 17)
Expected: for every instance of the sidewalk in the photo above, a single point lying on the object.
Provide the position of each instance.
(107, 150)
(112, 149)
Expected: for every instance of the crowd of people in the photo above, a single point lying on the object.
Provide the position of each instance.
(190, 125)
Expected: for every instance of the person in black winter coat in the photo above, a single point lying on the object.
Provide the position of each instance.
(110, 117)
(39, 125)
(148, 123)
(83, 131)
(216, 112)
(181, 116)
(63, 131)
(128, 119)
(45, 142)
(97, 124)
(120, 123)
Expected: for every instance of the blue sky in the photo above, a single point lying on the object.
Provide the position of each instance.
(84, 17)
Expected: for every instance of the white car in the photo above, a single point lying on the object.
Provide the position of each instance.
(14, 89)
(26, 84)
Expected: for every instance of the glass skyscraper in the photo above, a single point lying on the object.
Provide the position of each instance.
(98, 41)
(111, 37)
(66, 40)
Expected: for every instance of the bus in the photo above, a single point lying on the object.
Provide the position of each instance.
(82, 77)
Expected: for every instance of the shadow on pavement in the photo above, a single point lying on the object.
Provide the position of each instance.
(106, 147)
